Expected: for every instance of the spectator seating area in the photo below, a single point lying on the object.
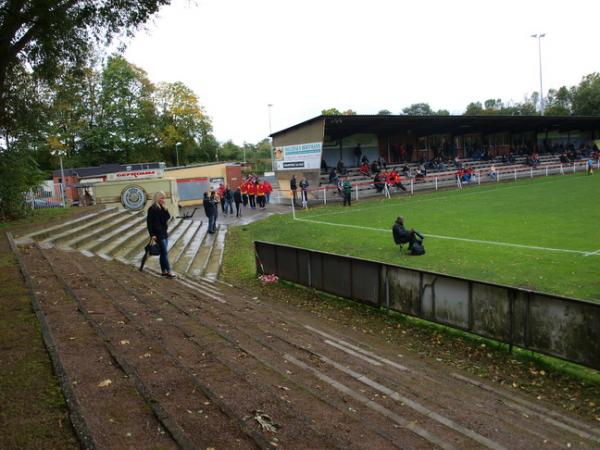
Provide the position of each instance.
(435, 179)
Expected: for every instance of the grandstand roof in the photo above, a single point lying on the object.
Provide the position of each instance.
(344, 125)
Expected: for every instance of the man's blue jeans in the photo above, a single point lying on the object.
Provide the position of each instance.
(163, 244)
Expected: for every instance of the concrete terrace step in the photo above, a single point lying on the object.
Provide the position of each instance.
(196, 269)
(65, 226)
(104, 240)
(104, 232)
(213, 265)
(82, 230)
(107, 248)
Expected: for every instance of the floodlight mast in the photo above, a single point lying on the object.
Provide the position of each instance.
(539, 37)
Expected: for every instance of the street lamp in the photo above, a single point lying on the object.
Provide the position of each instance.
(177, 144)
(270, 105)
(60, 154)
(539, 39)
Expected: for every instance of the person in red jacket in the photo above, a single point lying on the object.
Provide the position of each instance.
(395, 180)
(244, 192)
(260, 194)
(252, 193)
(268, 190)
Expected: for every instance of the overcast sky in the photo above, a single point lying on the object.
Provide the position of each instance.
(305, 56)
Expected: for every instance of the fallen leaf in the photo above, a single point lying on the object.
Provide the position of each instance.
(105, 383)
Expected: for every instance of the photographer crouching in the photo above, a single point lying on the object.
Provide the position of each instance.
(413, 238)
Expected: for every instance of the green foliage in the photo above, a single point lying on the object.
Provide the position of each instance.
(45, 35)
(586, 98)
(331, 112)
(20, 174)
(384, 112)
(418, 109)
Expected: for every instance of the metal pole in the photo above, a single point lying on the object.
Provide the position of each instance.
(539, 39)
(62, 181)
(270, 105)
(324, 196)
(436, 183)
(412, 187)
(356, 187)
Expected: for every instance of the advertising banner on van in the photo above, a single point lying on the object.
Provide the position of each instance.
(301, 156)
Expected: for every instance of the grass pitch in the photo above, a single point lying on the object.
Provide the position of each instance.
(541, 234)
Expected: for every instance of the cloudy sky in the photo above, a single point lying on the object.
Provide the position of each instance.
(305, 56)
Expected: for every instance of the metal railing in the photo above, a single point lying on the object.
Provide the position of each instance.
(563, 327)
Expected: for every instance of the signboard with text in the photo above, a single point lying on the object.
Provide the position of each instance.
(301, 156)
(135, 174)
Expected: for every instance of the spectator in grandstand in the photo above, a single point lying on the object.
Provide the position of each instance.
(457, 162)
(468, 175)
(404, 236)
(590, 167)
(294, 188)
(332, 176)
(375, 166)
(304, 191)
(357, 154)
(420, 173)
(564, 159)
(323, 166)
(382, 162)
(378, 183)
(347, 188)
(492, 173)
(157, 222)
(364, 160)
(237, 198)
(406, 171)
(341, 168)
(364, 169)
(395, 180)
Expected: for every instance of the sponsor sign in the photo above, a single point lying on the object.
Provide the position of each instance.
(135, 174)
(301, 156)
(133, 197)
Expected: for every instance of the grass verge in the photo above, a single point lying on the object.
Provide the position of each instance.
(33, 412)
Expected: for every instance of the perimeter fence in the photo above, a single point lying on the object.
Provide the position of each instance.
(563, 327)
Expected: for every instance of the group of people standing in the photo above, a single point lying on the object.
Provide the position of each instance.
(304, 184)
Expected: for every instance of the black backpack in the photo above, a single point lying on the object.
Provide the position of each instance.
(417, 249)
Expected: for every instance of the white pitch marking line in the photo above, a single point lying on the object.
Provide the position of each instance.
(371, 404)
(593, 253)
(416, 406)
(452, 238)
(355, 348)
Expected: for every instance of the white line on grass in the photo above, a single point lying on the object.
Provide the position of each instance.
(460, 194)
(452, 238)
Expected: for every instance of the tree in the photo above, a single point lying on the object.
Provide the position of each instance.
(559, 102)
(384, 112)
(128, 125)
(331, 112)
(474, 109)
(586, 97)
(181, 119)
(45, 34)
(418, 109)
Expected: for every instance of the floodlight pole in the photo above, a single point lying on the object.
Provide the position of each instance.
(177, 144)
(270, 106)
(62, 180)
(539, 39)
